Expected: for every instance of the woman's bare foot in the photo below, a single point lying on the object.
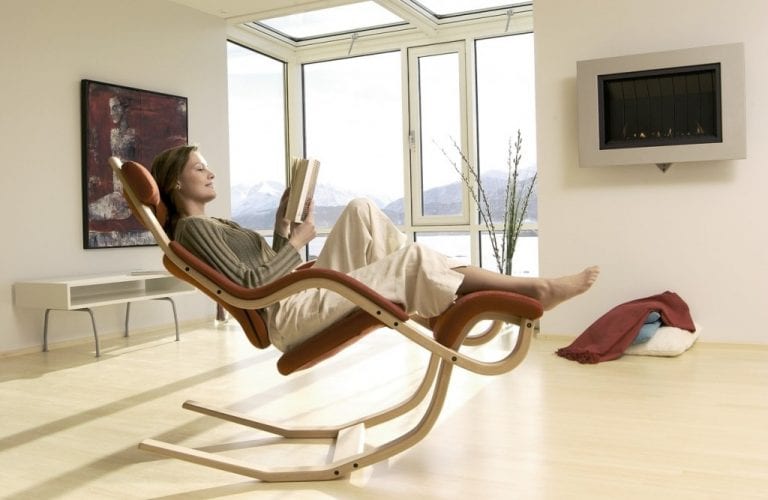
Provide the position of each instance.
(558, 290)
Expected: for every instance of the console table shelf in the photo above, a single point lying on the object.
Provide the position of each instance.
(85, 292)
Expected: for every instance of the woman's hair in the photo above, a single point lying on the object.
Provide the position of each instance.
(166, 169)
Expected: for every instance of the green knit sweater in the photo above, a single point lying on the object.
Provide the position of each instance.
(239, 253)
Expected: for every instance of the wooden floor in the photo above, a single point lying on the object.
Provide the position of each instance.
(639, 427)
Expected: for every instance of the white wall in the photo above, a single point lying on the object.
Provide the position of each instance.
(46, 48)
(699, 229)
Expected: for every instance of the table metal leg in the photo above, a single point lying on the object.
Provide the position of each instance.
(127, 315)
(175, 316)
(45, 331)
(93, 324)
(95, 335)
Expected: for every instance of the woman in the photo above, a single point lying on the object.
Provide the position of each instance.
(363, 243)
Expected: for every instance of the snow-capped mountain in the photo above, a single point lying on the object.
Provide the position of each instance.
(255, 207)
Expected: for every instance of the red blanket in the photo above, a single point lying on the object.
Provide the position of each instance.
(609, 336)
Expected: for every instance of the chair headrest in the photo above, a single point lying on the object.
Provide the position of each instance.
(143, 185)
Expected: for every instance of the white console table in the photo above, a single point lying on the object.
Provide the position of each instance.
(85, 292)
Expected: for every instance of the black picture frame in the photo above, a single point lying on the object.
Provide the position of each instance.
(132, 124)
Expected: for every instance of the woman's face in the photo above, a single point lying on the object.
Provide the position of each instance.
(196, 180)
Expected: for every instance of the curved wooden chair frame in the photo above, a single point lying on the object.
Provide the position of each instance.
(443, 338)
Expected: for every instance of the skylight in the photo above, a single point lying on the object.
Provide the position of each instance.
(445, 8)
(342, 19)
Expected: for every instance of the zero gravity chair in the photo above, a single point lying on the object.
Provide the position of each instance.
(456, 327)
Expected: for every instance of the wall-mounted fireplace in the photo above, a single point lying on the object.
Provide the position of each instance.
(662, 108)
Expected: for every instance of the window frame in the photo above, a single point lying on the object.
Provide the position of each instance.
(415, 141)
(458, 34)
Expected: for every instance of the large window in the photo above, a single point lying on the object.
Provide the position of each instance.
(257, 150)
(388, 126)
(353, 124)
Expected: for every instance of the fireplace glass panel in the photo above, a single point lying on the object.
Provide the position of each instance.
(660, 107)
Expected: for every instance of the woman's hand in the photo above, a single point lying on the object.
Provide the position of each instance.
(283, 225)
(304, 232)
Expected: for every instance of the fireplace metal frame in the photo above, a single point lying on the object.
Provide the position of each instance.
(729, 141)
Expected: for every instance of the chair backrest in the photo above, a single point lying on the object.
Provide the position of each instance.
(143, 196)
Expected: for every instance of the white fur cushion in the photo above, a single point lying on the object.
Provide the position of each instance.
(667, 341)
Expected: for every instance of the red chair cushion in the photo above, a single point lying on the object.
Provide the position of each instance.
(145, 188)
(328, 342)
(449, 328)
(251, 321)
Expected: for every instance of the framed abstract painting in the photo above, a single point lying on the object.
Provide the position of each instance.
(131, 124)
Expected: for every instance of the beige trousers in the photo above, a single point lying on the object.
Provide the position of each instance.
(366, 245)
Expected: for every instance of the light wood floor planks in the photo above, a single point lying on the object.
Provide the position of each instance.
(648, 428)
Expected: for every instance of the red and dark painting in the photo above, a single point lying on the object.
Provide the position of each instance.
(131, 124)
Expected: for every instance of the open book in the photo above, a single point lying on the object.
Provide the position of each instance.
(303, 180)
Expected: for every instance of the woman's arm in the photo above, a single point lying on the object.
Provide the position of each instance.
(207, 240)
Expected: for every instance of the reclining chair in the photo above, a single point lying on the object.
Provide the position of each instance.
(457, 326)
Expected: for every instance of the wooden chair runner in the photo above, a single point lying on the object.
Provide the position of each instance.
(442, 339)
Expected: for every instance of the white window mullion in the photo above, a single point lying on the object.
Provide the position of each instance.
(294, 113)
(471, 149)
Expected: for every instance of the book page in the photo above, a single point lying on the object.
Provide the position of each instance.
(303, 181)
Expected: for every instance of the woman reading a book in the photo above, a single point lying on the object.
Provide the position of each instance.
(363, 243)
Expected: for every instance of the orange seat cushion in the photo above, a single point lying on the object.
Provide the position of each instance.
(144, 186)
(450, 327)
